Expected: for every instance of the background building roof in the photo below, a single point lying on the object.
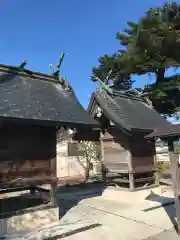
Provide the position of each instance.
(173, 130)
(129, 111)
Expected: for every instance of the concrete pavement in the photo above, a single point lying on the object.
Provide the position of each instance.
(122, 222)
(165, 235)
(100, 217)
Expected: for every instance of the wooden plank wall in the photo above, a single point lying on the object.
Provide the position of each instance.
(143, 154)
(126, 154)
(26, 153)
(116, 156)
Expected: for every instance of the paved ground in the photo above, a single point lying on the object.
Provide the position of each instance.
(99, 217)
(165, 235)
(119, 221)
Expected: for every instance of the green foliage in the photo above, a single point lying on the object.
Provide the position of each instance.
(113, 63)
(165, 95)
(163, 167)
(159, 37)
(152, 45)
(91, 156)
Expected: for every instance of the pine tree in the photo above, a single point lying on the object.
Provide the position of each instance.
(158, 40)
(112, 63)
(152, 45)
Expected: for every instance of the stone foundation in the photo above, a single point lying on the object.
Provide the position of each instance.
(21, 224)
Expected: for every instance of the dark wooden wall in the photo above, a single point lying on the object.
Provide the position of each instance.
(27, 154)
(124, 153)
(128, 154)
(142, 152)
(130, 157)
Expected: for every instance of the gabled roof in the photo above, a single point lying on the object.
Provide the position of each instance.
(171, 131)
(34, 96)
(128, 111)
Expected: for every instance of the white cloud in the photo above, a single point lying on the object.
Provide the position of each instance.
(173, 120)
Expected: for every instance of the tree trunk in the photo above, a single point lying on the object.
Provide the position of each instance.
(104, 173)
(86, 174)
(160, 75)
(87, 169)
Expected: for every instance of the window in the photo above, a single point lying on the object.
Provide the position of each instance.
(74, 149)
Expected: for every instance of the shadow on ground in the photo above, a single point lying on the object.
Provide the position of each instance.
(19, 204)
(70, 233)
(67, 197)
(168, 204)
(70, 196)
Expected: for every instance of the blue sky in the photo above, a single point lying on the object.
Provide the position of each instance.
(84, 29)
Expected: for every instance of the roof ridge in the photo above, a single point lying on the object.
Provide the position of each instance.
(128, 95)
(106, 94)
(35, 75)
(26, 72)
(134, 97)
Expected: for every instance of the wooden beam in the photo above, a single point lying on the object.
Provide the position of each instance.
(175, 169)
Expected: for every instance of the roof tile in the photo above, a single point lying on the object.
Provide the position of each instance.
(129, 111)
(39, 97)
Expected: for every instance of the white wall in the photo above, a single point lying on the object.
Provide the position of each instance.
(73, 167)
(67, 166)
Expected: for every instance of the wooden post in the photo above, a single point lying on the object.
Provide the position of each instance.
(53, 198)
(131, 181)
(54, 182)
(102, 158)
(131, 174)
(175, 170)
(32, 190)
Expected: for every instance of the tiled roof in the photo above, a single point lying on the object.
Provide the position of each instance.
(33, 96)
(173, 130)
(129, 111)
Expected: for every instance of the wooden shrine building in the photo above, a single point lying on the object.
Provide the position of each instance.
(33, 106)
(172, 136)
(125, 119)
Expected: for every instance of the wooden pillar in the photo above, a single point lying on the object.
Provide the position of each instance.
(131, 174)
(175, 170)
(33, 190)
(102, 158)
(54, 182)
(53, 197)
